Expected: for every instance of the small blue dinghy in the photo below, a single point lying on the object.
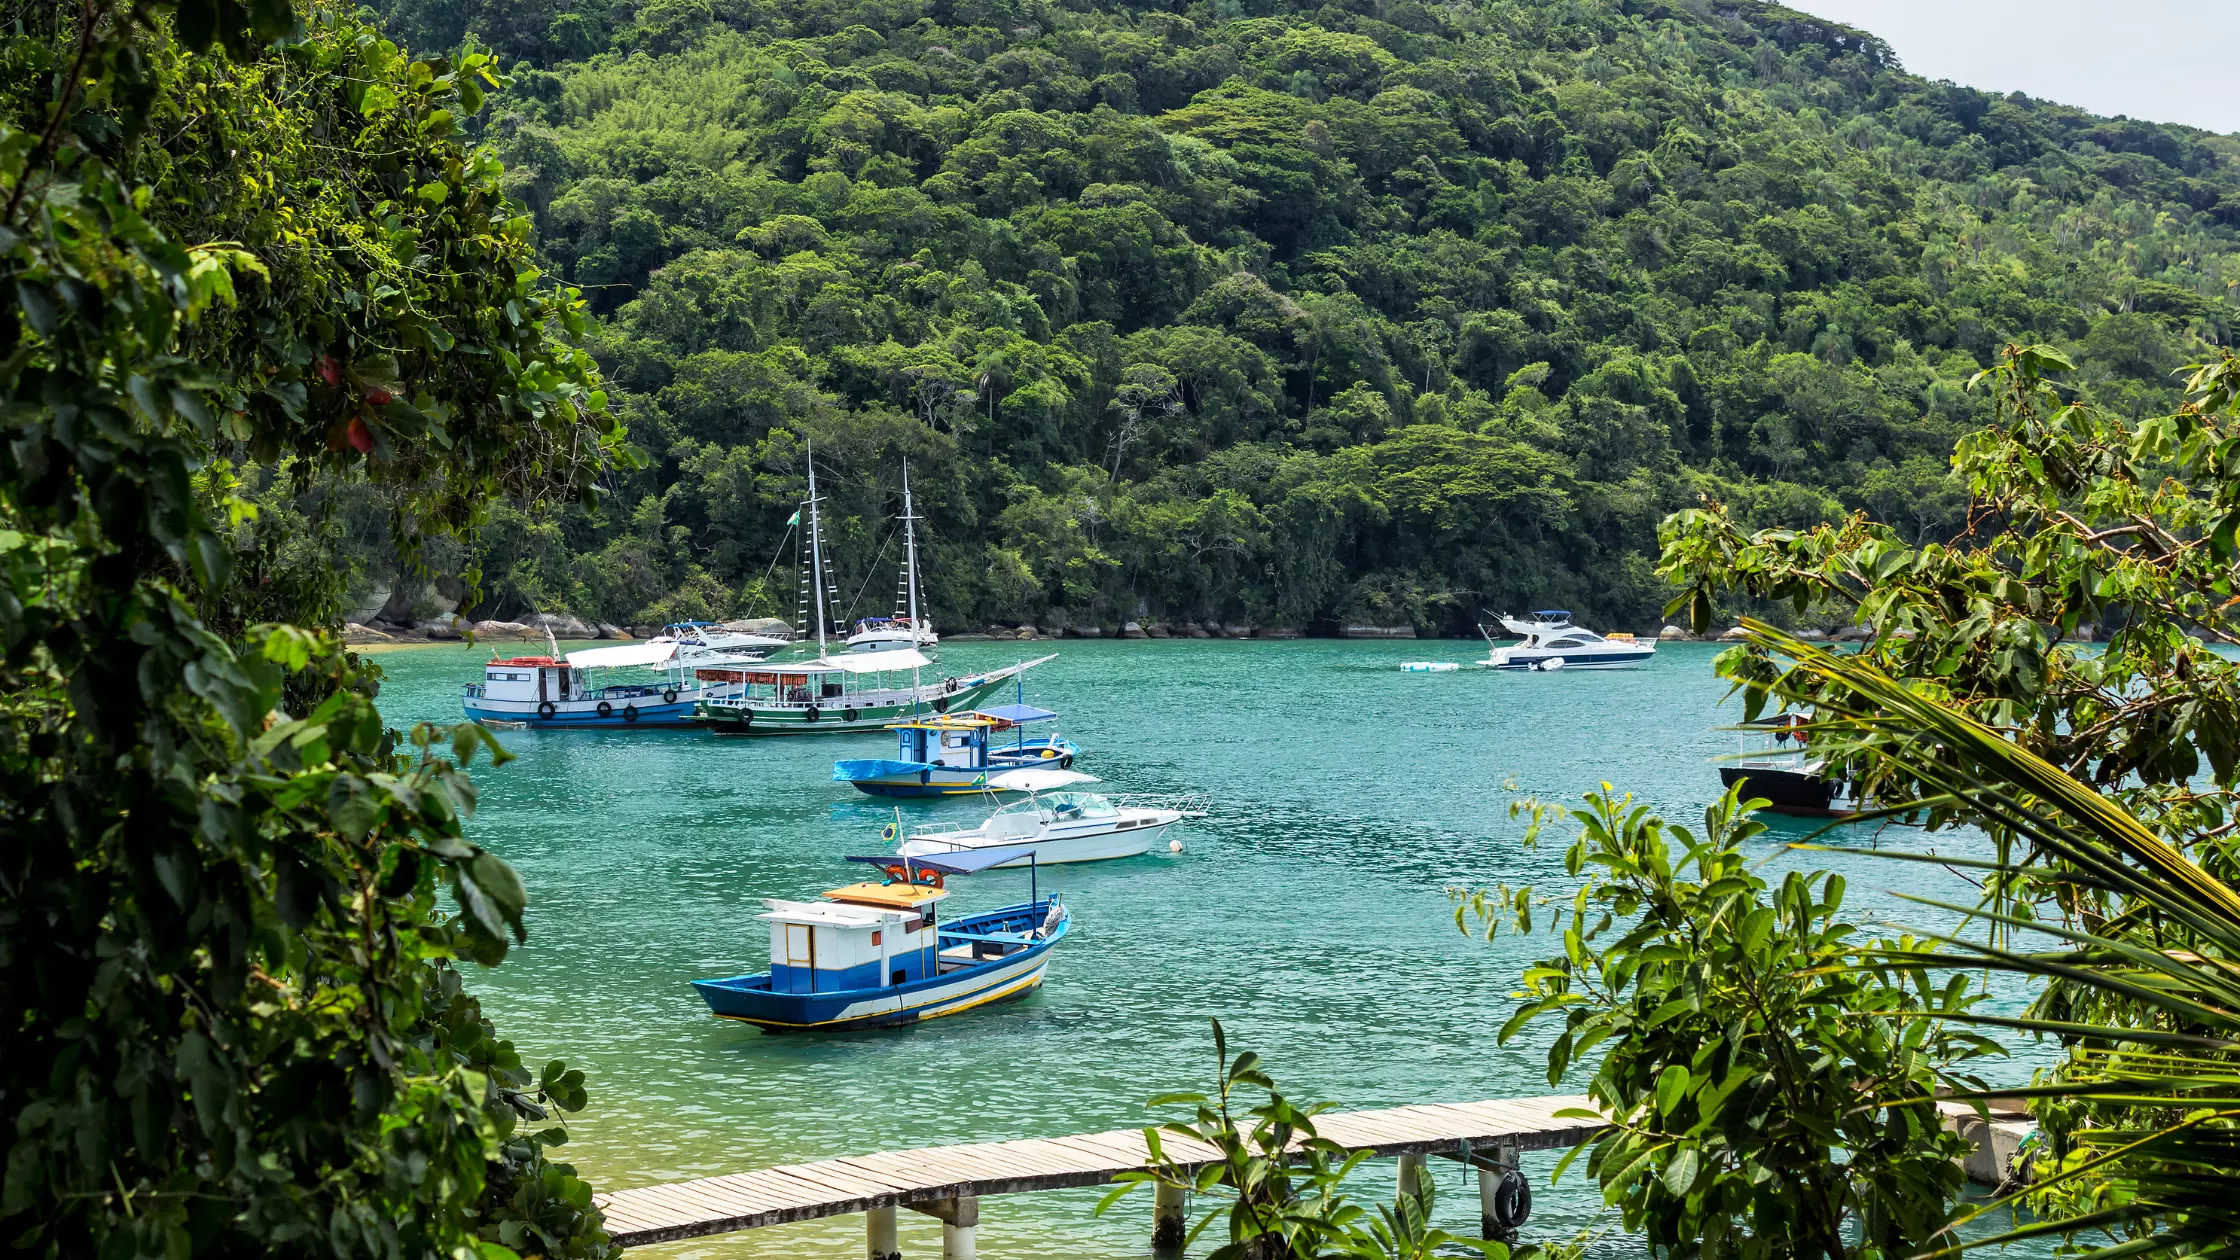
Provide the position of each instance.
(955, 754)
(875, 955)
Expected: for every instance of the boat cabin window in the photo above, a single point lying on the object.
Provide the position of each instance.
(831, 689)
(956, 739)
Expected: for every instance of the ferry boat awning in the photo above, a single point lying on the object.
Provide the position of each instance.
(879, 662)
(622, 657)
(961, 862)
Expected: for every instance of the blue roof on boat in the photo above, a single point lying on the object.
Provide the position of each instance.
(1018, 713)
(966, 862)
(1551, 612)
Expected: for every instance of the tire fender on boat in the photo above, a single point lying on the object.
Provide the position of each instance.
(668, 695)
(605, 709)
(547, 709)
(629, 713)
(1066, 762)
(811, 715)
(848, 715)
(941, 704)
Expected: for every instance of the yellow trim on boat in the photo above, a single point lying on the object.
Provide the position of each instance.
(1032, 979)
(890, 896)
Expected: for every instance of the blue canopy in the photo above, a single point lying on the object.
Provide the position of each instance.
(1020, 713)
(1553, 614)
(963, 862)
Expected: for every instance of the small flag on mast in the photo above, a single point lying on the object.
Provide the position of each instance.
(794, 519)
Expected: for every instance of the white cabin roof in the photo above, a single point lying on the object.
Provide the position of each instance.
(651, 653)
(879, 662)
(827, 913)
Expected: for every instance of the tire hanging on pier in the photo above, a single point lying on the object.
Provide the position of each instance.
(1512, 1200)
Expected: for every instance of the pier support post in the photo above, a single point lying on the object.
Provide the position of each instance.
(1504, 1157)
(1169, 1219)
(879, 1234)
(1411, 1173)
(959, 1218)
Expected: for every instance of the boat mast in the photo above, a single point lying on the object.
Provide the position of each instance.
(910, 553)
(816, 551)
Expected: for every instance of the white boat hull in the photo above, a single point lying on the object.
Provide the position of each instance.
(1572, 658)
(1056, 849)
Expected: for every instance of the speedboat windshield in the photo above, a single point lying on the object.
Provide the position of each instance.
(1078, 805)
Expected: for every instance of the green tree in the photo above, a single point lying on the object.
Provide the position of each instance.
(235, 1020)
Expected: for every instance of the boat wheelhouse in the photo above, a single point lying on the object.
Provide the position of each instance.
(1060, 823)
(951, 754)
(574, 691)
(1553, 641)
(876, 955)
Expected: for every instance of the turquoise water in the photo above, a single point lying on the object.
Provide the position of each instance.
(1309, 913)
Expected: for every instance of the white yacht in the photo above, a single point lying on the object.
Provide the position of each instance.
(907, 628)
(708, 643)
(1061, 826)
(1551, 641)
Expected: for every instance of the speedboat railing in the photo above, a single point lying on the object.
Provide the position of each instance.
(1188, 804)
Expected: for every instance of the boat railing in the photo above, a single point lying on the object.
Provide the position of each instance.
(1188, 804)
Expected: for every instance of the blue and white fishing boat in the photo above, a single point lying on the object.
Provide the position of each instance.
(574, 690)
(1552, 641)
(875, 955)
(954, 754)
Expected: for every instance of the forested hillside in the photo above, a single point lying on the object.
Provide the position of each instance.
(1381, 311)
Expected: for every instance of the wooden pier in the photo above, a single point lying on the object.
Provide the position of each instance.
(947, 1182)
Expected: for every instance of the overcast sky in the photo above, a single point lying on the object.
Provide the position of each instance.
(2164, 60)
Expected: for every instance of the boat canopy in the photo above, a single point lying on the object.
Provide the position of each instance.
(1017, 714)
(961, 862)
(1552, 614)
(879, 662)
(622, 657)
(1035, 780)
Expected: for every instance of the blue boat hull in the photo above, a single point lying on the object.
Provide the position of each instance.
(650, 713)
(884, 777)
(751, 1000)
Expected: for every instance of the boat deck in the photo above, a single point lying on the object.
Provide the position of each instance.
(859, 1183)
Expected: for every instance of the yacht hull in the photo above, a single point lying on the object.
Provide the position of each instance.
(1510, 658)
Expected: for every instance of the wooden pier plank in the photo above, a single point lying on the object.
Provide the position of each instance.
(855, 1183)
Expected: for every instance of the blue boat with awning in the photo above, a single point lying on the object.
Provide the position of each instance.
(877, 954)
(952, 754)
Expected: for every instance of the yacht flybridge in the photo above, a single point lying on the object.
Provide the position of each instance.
(708, 643)
(1552, 641)
(866, 688)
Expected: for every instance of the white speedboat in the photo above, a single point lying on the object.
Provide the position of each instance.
(1061, 825)
(1551, 641)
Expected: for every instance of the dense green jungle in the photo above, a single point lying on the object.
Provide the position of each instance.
(1254, 312)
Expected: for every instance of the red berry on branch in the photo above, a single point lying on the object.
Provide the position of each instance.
(378, 396)
(329, 370)
(360, 436)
